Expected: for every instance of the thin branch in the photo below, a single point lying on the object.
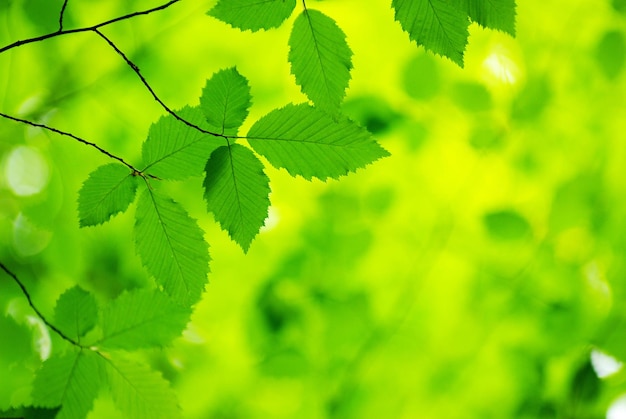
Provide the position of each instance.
(87, 29)
(67, 134)
(32, 305)
(61, 15)
(137, 71)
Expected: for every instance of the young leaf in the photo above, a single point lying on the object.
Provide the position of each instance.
(253, 14)
(171, 247)
(309, 143)
(141, 319)
(139, 392)
(176, 151)
(108, 190)
(320, 59)
(71, 381)
(76, 312)
(225, 101)
(237, 192)
(439, 25)
(494, 14)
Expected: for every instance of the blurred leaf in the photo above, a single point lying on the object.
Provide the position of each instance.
(253, 14)
(472, 97)
(578, 202)
(371, 112)
(438, 25)
(44, 14)
(109, 190)
(619, 6)
(309, 143)
(20, 347)
(494, 14)
(320, 59)
(585, 386)
(176, 151)
(76, 312)
(285, 363)
(142, 319)
(532, 100)
(610, 53)
(171, 247)
(420, 78)
(225, 101)
(506, 224)
(237, 192)
(487, 135)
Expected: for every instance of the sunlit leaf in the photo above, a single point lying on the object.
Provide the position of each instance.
(110, 189)
(506, 225)
(253, 14)
(320, 58)
(236, 190)
(309, 143)
(76, 312)
(225, 101)
(171, 247)
(493, 14)
(142, 318)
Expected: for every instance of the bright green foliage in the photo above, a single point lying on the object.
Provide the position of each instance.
(309, 143)
(493, 14)
(76, 312)
(140, 319)
(174, 150)
(139, 392)
(108, 190)
(506, 225)
(236, 190)
(225, 101)
(253, 14)
(171, 247)
(320, 59)
(439, 25)
(71, 380)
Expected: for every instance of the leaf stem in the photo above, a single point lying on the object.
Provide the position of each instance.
(35, 309)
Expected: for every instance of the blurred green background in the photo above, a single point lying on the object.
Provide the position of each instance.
(478, 272)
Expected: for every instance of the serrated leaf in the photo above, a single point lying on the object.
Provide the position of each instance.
(110, 189)
(71, 381)
(225, 101)
(139, 392)
(237, 192)
(439, 25)
(141, 319)
(493, 14)
(171, 247)
(176, 151)
(253, 14)
(76, 312)
(309, 143)
(320, 59)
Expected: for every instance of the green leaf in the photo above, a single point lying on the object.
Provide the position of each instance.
(139, 392)
(439, 25)
(225, 101)
(176, 151)
(320, 59)
(253, 14)
(506, 225)
(108, 190)
(76, 312)
(141, 319)
(71, 381)
(237, 192)
(494, 14)
(309, 143)
(171, 247)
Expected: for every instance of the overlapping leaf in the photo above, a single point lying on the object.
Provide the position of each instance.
(320, 59)
(140, 393)
(236, 191)
(494, 14)
(171, 247)
(71, 381)
(76, 312)
(175, 150)
(108, 190)
(253, 14)
(140, 319)
(439, 25)
(225, 101)
(309, 143)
